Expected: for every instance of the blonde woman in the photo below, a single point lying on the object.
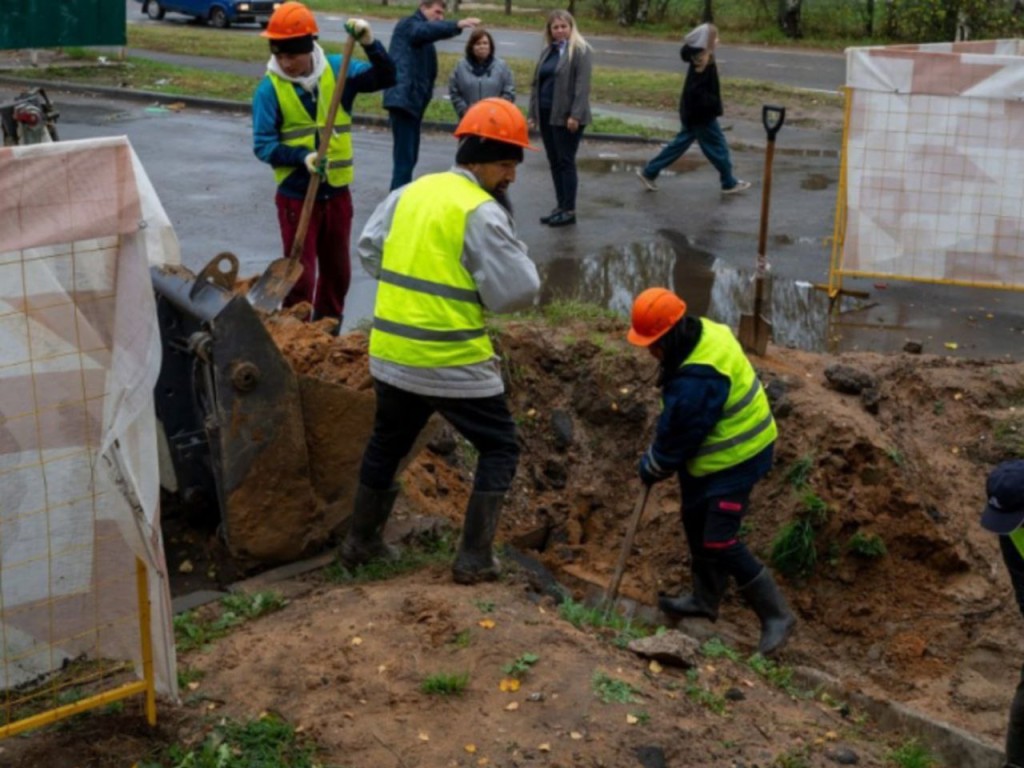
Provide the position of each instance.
(560, 108)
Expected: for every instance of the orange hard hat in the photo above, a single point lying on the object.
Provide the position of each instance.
(291, 20)
(495, 119)
(655, 311)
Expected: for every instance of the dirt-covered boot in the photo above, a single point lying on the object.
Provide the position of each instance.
(475, 561)
(709, 585)
(364, 542)
(777, 621)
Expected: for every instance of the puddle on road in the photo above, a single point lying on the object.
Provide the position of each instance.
(970, 324)
(610, 164)
(815, 181)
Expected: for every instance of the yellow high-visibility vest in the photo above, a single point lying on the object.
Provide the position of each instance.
(299, 130)
(428, 312)
(747, 426)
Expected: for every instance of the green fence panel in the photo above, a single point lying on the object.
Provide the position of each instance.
(61, 23)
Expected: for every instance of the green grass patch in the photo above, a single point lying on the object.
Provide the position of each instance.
(196, 629)
(581, 615)
(611, 690)
(706, 698)
(428, 552)
(445, 684)
(793, 551)
(799, 471)
(521, 665)
(866, 545)
(715, 648)
(267, 742)
(776, 674)
(911, 755)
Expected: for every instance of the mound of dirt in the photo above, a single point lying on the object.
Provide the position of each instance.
(881, 459)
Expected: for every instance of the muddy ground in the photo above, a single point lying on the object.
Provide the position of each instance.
(893, 448)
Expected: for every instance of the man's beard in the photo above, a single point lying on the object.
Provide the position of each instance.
(501, 195)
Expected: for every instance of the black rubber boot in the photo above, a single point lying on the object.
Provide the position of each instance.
(1015, 731)
(475, 561)
(777, 621)
(709, 585)
(363, 542)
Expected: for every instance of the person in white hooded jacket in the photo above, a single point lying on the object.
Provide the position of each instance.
(289, 110)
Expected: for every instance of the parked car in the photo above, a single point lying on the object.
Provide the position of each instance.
(220, 13)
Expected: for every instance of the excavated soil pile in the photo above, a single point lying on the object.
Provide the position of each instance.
(889, 450)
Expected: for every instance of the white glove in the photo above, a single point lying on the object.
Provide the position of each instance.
(360, 30)
(311, 164)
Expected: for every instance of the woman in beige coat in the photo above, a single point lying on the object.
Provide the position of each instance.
(560, 108)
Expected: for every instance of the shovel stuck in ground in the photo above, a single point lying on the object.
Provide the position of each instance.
(755, 330)
(280, 277)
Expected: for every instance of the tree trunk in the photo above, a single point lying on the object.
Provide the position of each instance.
(708, 16)
(869, 18)
(508, 7)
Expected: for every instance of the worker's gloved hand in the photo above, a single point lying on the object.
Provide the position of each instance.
(315, 168)
(360, 30)
(650, 473)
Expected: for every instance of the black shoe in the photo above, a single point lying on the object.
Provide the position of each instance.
(547, 219)
(562, 219)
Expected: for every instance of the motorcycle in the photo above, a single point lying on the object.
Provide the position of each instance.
(30, 118)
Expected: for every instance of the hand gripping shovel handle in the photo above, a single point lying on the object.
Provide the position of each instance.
(627, 545)
(325, 137)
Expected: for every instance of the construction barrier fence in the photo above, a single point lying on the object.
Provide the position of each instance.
(933, 156)
(85, 613)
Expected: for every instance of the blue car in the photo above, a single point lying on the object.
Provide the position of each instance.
(220, 13)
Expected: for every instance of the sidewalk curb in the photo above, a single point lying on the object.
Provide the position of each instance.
(225, 105)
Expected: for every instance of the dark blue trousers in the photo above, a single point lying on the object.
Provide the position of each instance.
(561, 145)
(405, 148)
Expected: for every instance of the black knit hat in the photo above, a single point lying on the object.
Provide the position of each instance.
(475, 149)
(302, 44)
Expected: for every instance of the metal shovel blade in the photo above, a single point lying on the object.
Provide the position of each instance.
(274, 284)
(754, 334)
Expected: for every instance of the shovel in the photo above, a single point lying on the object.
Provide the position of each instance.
(627, 545)
(754, 329)
(276, 282)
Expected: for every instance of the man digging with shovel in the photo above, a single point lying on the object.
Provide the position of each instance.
(289, 111)
(717, 433)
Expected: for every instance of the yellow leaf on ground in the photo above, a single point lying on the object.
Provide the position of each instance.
(486, 623)
(186, 567)
(509, 685)
(632, 719)
(357, 641)
(575, 735)
(951, 345)
(194, 685)
(382, 669)
(654, 667)
(512, 706)
(471, 748)
(545, 747)
(424, 736)
(483, 761)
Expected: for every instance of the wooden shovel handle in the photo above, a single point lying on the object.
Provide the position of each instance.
(627, 545)
(321, 151)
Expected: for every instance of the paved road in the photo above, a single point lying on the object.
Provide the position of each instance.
(799, 69)
(686, 235)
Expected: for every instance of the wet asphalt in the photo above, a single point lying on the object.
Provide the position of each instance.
(687, 235)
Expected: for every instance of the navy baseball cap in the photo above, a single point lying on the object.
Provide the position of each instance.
(1004, 512)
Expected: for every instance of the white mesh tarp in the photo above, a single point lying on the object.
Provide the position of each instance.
(934, 159)
(79, 355)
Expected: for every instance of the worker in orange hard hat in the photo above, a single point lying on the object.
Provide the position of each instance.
(717, 434)
(444, 249)
(289, 112)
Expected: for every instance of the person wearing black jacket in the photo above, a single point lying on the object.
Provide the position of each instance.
(700, 106)
(1004, 515)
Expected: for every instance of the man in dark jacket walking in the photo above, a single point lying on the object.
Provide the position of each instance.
(700, 106)
(412, 50)
(717, 434)
(1004, 515)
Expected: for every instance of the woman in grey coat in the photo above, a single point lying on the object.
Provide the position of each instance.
(480, 75)
(560, 108)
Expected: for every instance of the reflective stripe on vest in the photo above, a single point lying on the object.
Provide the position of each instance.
(299, 130)
(746, 426)
(1017, 537)
(428, 312)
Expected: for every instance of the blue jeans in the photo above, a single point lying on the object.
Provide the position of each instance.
(712, 143)
(405, 150)
(561, 145)
(400, 416)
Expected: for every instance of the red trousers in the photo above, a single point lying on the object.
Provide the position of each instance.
(326, 268)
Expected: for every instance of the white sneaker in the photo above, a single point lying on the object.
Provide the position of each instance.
(649, 183)
(741, 186)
